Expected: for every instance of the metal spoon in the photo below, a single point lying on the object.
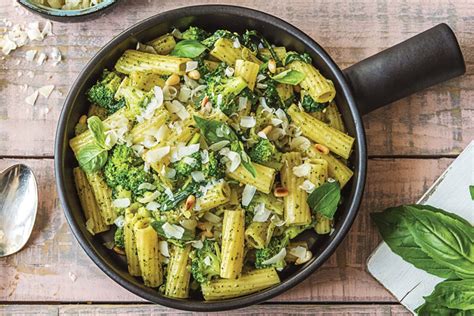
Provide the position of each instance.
(18, 205)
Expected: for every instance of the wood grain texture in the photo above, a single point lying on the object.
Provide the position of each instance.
(53, 267)
(438, 121)
(148, 310)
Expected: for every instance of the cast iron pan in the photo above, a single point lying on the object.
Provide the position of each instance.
(424, 60)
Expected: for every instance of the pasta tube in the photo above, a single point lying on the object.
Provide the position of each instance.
(225, 51)
(319, 88)
(258, 234)
(248, 71)
(148, 253)
(149, 127)
(103, 196)
(248, 283)
(263, 181)
(219, 194)
(323, 224)
(334, 118)
(133, 60)
(319, 172)
(232, 243)
(130, 242)
(336, 168)
(319, 132)
(164, 44)
(145, 81)
(177, 282)
(94, 221)
(297, 211)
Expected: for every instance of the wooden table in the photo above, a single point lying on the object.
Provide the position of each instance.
(410, 143)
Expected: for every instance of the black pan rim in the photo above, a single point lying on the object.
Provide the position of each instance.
(360, 165)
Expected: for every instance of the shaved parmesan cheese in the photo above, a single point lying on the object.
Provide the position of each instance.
(177, 108)
(110, 138)
(33, 31)
(184, 94)
(236, 43)
(138, 149)
(300, 143)
(197, 244)
(173, 231)
(308, 186)
(229, 71)
(204, 156)
(276, 258)
(170, 173)
(191, 65)
(211, 217)
(234, 159)
(261, 85)
(266, 108)
(47, 29)
(299, 252)
(121, 203)
(155, 155)
(30, 54)
(146, 186)
(189, 161)
(148, 197)
(261, 213)
(247, 121)
(45, 91)
(262, 135)
(302, 170)
(247, 194)
(207, 261)
(219, 99)
(7, 45)
(176, 33)
(260, 77)
(31, 99)
(277, 221)
(41, 58)
(185, 151)
(276, 121)
(158, 92)
(164, 250)
(152, 206)
(146, 48)
(198, 176)
(219, 145)
(242, 103)
(119, 221)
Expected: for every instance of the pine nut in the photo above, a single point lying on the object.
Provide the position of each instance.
(83, 119)
(118, 250)
(190, 201)
(272, 67)
(307, 256)
(172, 80)
(267, 130)
(322, 149)
(194, 74)
(280, 192)
(204, 100)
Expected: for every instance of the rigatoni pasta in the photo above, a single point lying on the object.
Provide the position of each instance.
(208, 154)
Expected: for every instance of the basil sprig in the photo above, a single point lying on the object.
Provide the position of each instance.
(188, 48)
(439, 242)
(289, 76)
(209, 130)
(92, 157)
(325, 199)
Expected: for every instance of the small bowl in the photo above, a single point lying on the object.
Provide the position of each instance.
(68, 15)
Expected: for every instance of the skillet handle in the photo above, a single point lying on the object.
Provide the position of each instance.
(424, 60)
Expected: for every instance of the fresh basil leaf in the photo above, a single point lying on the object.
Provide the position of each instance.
(158, 227)
(92, 157)
(471, 190)
(293, 56)
(97, 129)
(247, 163)
(289, 76)
(188, 48)
(455, 294)
(430, 309)
(392, 224)
(325, 199)
(447, 240)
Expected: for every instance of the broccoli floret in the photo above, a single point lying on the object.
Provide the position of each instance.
(274, 247)
(188, 164)
(264, 152)
(119, 238)
(103, 92)
(211, 40)
(206, 262)
(224, 93)
(214, 168)
(309, 105)
(195, 33)
(124, 170)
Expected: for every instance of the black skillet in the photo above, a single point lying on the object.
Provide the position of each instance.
(424, 60)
